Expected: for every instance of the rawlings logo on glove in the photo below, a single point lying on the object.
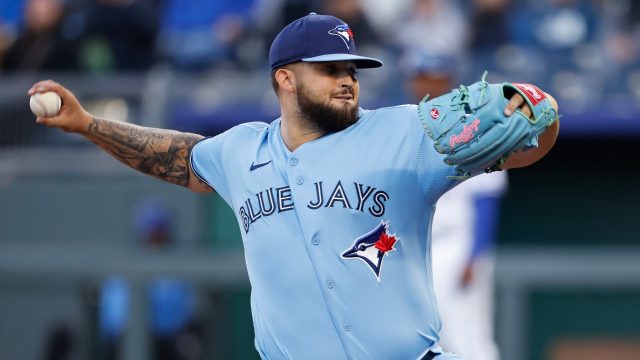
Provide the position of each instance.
(468, 124)
(466, 135)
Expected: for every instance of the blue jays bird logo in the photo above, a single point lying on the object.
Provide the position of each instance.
(343, 32)
(372, 246)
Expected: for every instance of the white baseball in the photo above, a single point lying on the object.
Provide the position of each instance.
(45, 104)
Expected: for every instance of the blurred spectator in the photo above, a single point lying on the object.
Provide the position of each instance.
(385, 15)
(553, 25)
(632, 22)
(59, 343)
(10, 20)
(121, 34)
(171, 300)
(351, 12)
(560, 37)
(196, 34)
(489, 33)
(11, 13)
(153, 224)
(489, 24)
(566, 24)
(45, 43)
(427, 73)
(270, 16)
(276, 14)
(437, 26)
(621, 37)
(113, 315)
(171, 313)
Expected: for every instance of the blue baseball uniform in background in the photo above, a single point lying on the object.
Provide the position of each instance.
(334, 234)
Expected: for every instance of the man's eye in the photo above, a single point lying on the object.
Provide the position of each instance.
(330, 70)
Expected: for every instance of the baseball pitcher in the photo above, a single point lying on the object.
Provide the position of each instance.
(335, 202)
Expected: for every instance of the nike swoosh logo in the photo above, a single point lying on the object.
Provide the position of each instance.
(257, 166)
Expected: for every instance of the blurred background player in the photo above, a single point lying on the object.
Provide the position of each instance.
(464, 231)
(171, 300)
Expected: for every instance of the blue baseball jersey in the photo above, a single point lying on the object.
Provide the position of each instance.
(334, 234)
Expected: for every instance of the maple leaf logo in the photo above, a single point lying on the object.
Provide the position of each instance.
(385, 243)
(372, 247)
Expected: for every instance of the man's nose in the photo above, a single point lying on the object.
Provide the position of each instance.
(347, 80)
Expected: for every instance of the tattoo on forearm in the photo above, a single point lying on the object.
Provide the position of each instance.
(157, 152)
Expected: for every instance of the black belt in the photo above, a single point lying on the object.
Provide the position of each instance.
(429, 356)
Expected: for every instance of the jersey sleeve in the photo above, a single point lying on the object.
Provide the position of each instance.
(207, 163)
(434, 175)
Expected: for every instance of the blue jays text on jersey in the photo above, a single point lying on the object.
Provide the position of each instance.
(335, 234)
(272, 200)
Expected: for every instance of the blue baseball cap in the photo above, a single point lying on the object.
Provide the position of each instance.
(317, 38)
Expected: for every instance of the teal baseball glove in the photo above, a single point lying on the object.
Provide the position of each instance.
(468, 124)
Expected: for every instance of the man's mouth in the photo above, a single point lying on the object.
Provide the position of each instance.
(344, 97)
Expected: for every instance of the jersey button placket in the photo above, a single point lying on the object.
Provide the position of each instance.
(293, 161)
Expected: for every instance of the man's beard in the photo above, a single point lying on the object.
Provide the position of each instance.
(326, 117)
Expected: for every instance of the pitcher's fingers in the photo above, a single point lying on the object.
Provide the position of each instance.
(44, 86)
(46, 121)
(516, 101)
(50, 85)
(526, 111)
(66, 96)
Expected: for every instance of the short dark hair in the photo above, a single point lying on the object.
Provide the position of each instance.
(274, 82)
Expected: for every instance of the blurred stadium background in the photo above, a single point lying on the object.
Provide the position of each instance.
(99, 262)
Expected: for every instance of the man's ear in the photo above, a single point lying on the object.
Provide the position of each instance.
(286, 80)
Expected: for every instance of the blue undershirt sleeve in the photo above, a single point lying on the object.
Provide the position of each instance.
(487, 210)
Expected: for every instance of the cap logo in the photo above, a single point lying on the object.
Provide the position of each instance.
(344, 33)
